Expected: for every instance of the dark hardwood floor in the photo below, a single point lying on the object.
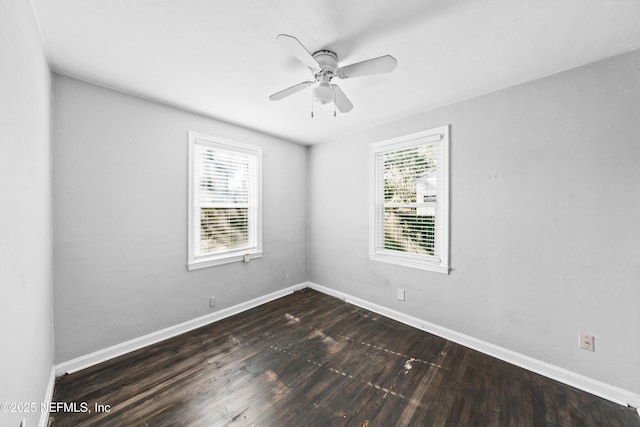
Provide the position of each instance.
(313, 360)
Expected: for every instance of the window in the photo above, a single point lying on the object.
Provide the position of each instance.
(410, 200)
(224, 201)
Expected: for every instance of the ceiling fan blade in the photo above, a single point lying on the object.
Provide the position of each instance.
(341, 100)
(297, 49)
(289, 91)
(382, 64)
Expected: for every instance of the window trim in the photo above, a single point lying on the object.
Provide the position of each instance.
(375, 202)
(195, 262)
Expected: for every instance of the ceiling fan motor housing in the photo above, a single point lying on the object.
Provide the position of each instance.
(327, 60)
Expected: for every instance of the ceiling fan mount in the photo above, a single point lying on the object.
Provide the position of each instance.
(323, 64)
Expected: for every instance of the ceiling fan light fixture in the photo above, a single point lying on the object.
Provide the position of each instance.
(323, 94)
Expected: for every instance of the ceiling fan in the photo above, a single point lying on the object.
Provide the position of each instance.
(324, 67)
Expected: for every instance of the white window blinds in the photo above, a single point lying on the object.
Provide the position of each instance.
(224, 201)
(410, 200)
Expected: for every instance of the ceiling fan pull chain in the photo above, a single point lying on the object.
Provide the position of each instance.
(334, 109)
(312, 105)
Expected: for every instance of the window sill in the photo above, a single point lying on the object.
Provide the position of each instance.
(220, 260)
(408, 262)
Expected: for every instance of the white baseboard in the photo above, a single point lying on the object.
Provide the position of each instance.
(598, 388)
(108, 353)
(48, 398)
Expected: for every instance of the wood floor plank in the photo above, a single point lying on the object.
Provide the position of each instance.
(311, 359)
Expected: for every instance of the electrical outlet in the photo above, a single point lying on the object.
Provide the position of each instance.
(401, 294)
(587, 342)
(212, 302)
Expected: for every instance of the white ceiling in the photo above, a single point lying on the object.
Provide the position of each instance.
(220, 57)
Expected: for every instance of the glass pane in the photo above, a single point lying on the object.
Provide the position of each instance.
(224, 176)
(406, 230)
(410, 175)
(223, 229)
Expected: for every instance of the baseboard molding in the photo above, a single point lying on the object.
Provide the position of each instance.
(48, 398)
(108, 353)
(595, 387)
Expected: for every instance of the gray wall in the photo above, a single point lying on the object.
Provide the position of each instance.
(120, 219)
(26, 295)
(545, 238)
